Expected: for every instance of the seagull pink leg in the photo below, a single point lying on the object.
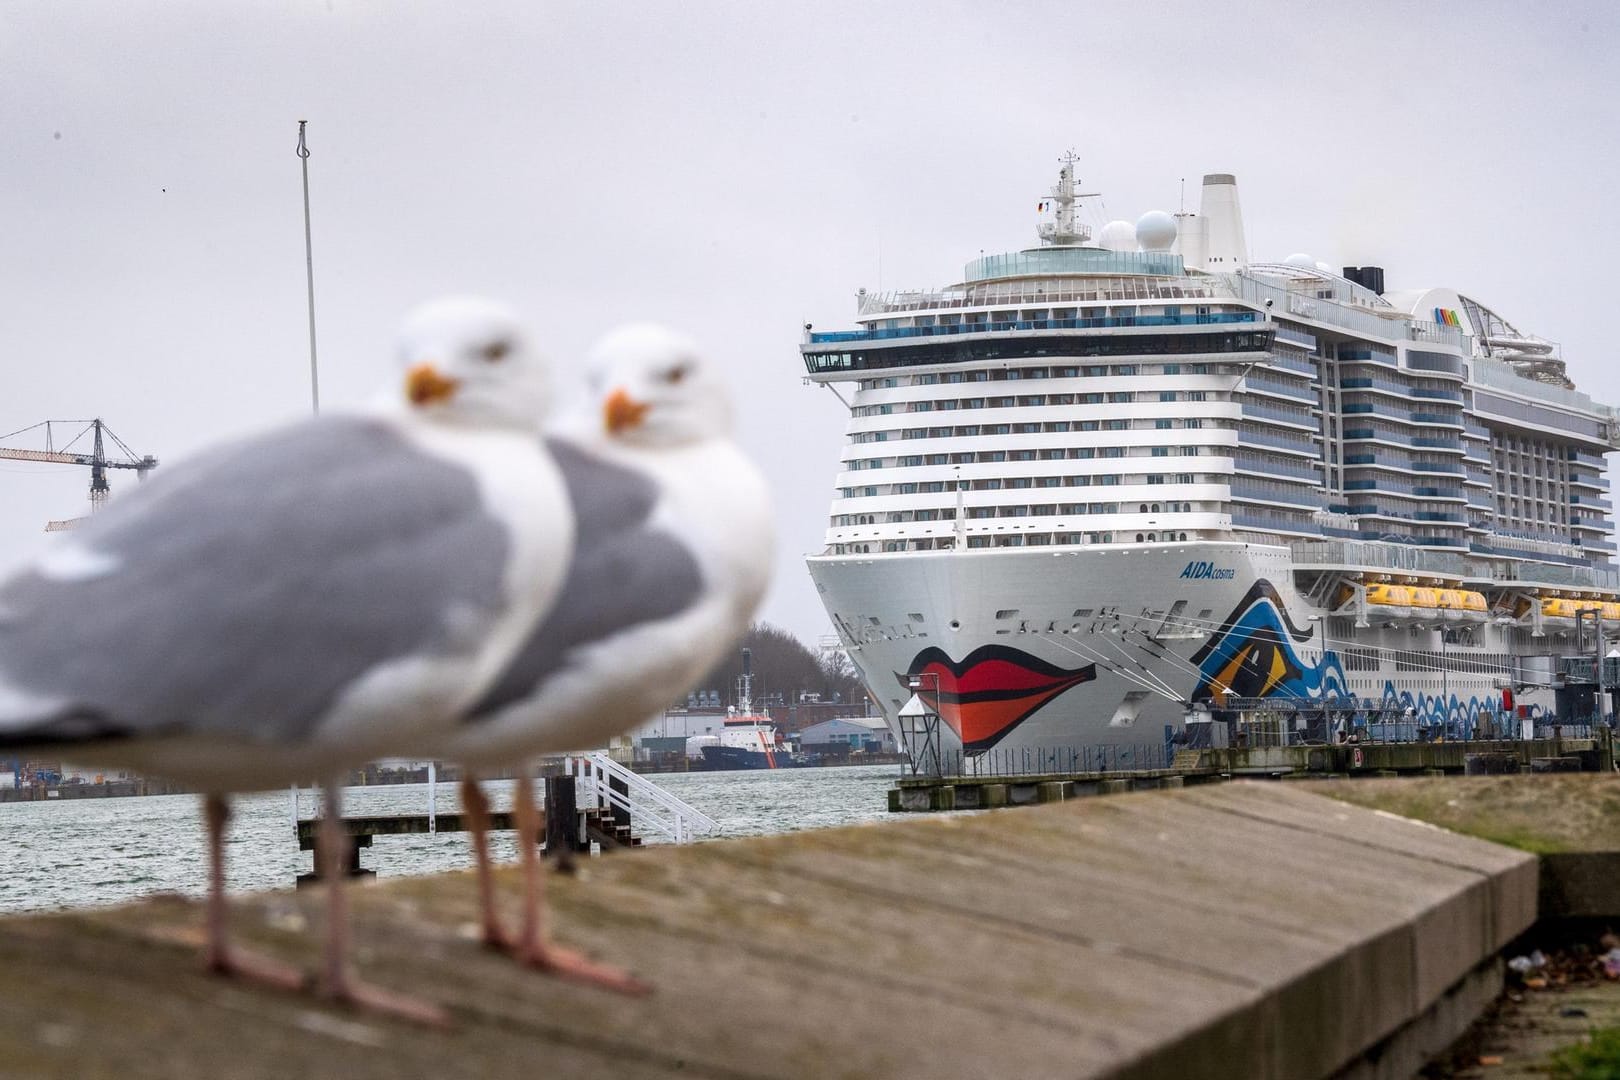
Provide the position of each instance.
(340, 984)
(218, 956)
(476, 805)
(534, 947)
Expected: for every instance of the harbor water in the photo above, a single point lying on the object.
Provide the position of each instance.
(74, 853)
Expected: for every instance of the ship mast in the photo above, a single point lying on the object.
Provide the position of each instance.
(1063, 230)
(745, 685)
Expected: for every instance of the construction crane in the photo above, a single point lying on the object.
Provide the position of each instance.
(64, 454)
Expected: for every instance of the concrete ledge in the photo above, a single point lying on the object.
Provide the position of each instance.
(1230, 931)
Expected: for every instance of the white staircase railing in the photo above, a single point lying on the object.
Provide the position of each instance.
(648, 804)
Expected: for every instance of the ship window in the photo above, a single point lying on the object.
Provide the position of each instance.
(1006, 613)
(1138, 538)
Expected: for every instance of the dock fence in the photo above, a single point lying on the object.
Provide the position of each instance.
(1051, 760)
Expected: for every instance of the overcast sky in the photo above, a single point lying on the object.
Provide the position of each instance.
(735, 170)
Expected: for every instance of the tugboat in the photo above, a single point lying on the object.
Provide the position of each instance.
(748, 740)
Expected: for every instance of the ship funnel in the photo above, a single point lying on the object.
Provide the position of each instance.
(1371, 277)
(748, 661)
(1225, 247)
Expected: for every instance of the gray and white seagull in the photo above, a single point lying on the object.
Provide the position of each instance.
(674, 549)
(296, 603)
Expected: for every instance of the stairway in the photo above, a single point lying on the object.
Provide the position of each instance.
(623, 805)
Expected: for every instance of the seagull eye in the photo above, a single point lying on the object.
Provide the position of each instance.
(677, 373)
(496, 351)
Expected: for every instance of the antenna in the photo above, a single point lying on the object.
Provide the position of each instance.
(309, 275)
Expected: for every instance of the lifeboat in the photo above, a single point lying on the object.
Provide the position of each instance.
(1611, 611)
(1389, 601)
(1558, 611)
(1461, 605)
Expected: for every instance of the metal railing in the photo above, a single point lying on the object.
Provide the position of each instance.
(600, 781)
(1051, 760)
(987, 327)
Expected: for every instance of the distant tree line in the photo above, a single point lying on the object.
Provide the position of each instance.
(785, 670)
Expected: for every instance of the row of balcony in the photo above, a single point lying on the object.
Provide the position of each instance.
(987, 327)
(1428, 442)
(1369, 382)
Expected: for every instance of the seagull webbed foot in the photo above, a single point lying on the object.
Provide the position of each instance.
(254, 968)
(375, 999)
(568, 964)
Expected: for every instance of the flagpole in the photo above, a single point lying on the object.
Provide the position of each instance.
(309, 276)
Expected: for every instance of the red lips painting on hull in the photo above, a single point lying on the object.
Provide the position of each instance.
(990, 692)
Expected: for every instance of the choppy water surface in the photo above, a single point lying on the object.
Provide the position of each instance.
(78, 852)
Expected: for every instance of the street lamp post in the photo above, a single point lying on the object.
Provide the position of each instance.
(1445, 681)
(1321, 651)
(1597, 674)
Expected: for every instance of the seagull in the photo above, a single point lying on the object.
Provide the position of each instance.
(303, 600)
(672, 556)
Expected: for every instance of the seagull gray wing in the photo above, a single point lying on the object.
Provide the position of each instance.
(625, 572)
(241, 593)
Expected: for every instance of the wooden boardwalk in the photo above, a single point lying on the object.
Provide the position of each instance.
(1236, 930)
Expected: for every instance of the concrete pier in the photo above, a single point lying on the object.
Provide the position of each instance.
(1242, 930)
(980, 791)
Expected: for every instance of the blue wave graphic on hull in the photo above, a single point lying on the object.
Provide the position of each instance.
(1254, 655)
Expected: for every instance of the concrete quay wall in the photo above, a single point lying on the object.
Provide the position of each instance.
(1244, 930)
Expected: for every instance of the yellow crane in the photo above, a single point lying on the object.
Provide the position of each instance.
(65, 454)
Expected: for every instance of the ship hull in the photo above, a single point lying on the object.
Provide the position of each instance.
(1024, 650)
(733, 758)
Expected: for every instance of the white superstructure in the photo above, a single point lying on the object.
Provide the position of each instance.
(1096, 485)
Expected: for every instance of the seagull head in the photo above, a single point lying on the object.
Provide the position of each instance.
(469, 360)
(658, 390)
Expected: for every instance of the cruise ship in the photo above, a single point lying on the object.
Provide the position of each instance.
(1115, 485)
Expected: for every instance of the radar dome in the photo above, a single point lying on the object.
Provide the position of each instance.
(1155, 231)
(1301, 260)
(1326, 268)
(1118, 236)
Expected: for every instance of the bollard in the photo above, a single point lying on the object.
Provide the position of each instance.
(433, 797)
(562, 816)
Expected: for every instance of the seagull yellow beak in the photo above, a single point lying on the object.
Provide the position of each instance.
(621, 411)
(424, 385)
